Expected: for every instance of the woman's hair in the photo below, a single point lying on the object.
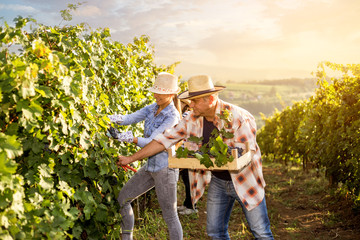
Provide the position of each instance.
(177, 103)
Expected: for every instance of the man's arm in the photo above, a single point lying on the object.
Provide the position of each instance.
(149, 150)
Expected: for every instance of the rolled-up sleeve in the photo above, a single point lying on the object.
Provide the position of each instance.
(173, 135)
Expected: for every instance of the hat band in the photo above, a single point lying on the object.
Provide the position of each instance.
(163, 89)
(191, 94)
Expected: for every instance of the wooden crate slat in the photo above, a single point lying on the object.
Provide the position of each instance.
(194, 163)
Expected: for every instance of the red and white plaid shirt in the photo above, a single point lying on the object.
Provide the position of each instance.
(249, 183)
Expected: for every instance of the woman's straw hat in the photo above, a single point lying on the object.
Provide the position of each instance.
(200, 86)
(165, 83)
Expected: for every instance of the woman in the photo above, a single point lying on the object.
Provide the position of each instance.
(155, 173)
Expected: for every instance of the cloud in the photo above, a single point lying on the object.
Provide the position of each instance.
(88, 11)
(278, 37)
(250, 37)
(18, 8)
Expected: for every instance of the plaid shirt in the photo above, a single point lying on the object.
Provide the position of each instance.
(249, 183)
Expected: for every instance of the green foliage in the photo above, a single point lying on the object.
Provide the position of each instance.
(215, 148)
(57, 167)
(65, 14)
(322, 131)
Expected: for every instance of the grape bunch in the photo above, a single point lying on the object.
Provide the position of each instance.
(239, 150)
(202, 153)
(113, 180)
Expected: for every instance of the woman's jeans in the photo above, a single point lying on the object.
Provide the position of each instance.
(220, 201)
(165, 182)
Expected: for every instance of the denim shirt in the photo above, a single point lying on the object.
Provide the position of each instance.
(153, 126)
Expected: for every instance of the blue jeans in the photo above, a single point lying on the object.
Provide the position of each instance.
(165, 183)
(220, 201)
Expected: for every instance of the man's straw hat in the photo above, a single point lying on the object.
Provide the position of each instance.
(200, 86)
(165, 83)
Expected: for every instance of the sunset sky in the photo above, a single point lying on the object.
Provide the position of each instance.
(235, 40)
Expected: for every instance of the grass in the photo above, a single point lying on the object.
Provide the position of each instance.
(299, 207)
(151, 225)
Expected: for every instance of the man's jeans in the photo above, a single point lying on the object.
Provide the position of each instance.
(165, 182)
(220, 201)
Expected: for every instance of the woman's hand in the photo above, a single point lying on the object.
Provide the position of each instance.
(121, 137)
(118, 119)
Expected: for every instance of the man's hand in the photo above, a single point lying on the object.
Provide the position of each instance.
(149, 150)
(123, 160)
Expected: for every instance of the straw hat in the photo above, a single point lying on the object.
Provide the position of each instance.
(200, 86)
(185, 101)
(165, 83)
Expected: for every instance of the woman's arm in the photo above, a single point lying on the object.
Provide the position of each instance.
(131, 118)
(168, 122)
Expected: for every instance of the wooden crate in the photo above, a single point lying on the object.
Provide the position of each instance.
(194, 163)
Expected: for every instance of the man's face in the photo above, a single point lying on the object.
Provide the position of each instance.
(200, 106)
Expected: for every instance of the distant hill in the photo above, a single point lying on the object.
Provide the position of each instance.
(302, 82)
(266, 96)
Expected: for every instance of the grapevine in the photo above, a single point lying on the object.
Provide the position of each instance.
(58, 177)
(323, 131)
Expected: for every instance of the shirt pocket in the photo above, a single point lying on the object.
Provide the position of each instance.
(158, 121)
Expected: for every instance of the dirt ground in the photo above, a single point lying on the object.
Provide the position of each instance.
(300, 206)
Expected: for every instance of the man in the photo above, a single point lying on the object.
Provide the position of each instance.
(246, 186)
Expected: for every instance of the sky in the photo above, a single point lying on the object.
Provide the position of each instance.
(230, 40)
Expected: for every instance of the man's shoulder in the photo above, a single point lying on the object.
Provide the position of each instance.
(235, 109)
(191, 117)
(231, 106)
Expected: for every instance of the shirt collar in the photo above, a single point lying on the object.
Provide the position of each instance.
(217, 120)
(165, 110)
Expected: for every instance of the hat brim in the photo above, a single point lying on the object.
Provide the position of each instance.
(187, 95)
(185, 101)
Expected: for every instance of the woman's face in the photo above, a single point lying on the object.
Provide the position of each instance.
(162, 99)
